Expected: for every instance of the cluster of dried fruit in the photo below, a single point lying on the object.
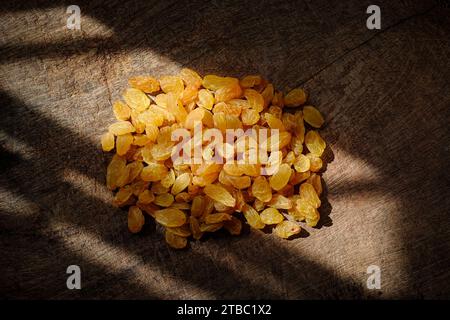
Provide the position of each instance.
(191, 199)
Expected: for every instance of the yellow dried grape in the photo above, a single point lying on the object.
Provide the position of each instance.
(274, 122)
(195, 228)
(201, 115)
(313, 222)
(213, 82)
(211, 227)
(242, 182)
(205, 99)
(137, 124)
(279, 201)
(233, 169)
(286, 229)
(297, 145)
(255, 99)
(113, 171)
(136, 219)
(183, 197)
(191, 78)
(315, 143)
(107, 141)
(252, 216)
(295, 98)
(316, 181)
(123, 143)
(141, 140)
(233, 226)
(250, 117)
(278, 141)
(271, 216)
(123, 176)
(172, 84)
(206, 179)
(175, 107)
(261, 189)
(169, 179)
(135, 168)
(259, 205)
(239, 104)
(121, 127)
(164, 200)
(181, 205)
(276, 111)
(227, 93)
(190, 199)
(289, 121)
(278, 99)
(281, 177)
(312, 116)
(122, 196)
(232, 109)
(316, 162)
(121, 110)
(189, 96)
(153, 172)
(223, 121)
(302, 163)
(197, 206)
(146, 197)
(175, 241)
(220, 208)
(144, 83)
(183, 231)
(305, 208)
(181, 183)
(250, 81)
(161, 152)
(217, 218)
(136, 99)
(158, 188)
(267, 94)
(309, 194)
(150, 117)
(220, 194)
(170, 217)
(138, 186)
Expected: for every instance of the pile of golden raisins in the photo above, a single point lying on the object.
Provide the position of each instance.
(191, 199)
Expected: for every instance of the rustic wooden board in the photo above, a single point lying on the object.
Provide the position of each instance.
(385, 95)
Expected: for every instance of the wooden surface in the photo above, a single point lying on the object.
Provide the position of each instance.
(385, 95)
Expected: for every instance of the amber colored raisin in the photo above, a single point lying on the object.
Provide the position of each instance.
(107, 141)
(308, 193)
(295, 98)
(144, 83)
(136, 99)
(253, 218)
(271, 216)
(313, 116)
(286, 229)
(315, 143)
(174, 240)
(135, 219)
(220, 194)
(170, 217)
(121, 110)
(261, 189)
(281, 177)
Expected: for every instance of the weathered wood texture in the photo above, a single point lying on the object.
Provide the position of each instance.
(385, 95)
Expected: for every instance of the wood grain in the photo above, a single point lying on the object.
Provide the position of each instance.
(385, 95)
